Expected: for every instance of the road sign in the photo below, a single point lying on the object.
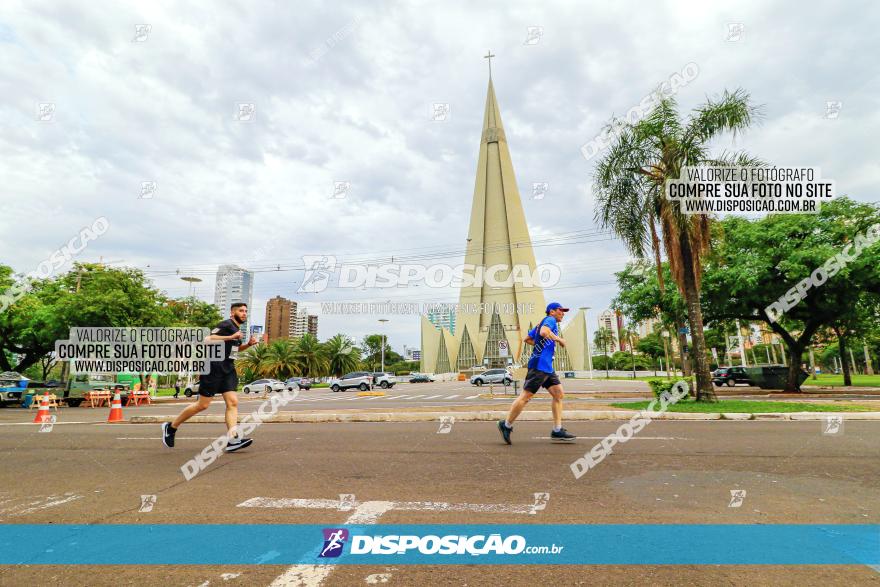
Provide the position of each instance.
(502, 348)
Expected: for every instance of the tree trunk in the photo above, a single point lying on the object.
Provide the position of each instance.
(844, 360)
(704, 391)
(869, 369)
(661, 283)
(792, 384)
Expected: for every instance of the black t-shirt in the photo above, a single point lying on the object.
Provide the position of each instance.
(226, 328)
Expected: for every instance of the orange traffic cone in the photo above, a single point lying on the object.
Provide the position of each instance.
(43, 412)
(116, 409)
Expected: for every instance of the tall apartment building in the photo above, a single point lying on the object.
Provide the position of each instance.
(304, 323)
(613, 321)
(284, 319)
(279, 318)
(234, 284)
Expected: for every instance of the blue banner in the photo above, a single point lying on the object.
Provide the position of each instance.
(521, 544)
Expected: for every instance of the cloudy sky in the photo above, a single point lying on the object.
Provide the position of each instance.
(345, 92)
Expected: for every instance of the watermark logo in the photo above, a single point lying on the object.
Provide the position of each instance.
(541, 501)
(340, 190)
(147, 503)
(735, 32)
(148, 190)
(248, 424)
(446, 423)
(737, 497)
(142, 33)
(346, 502)
(45, 111)
(245, 111)
(440, 111)
(334, 541)
(540, 189)
(317, 274)
(628, 429)
(832, 425)
(56, 260)
(615, 127)
(319, 268)
(533, 35)
(826, 271)
(48, 423)
(832, 109)
(333, 40)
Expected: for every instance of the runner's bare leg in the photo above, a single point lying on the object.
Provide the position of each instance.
(231, 399)
(191, 410)
(518, 404)
(557, 393)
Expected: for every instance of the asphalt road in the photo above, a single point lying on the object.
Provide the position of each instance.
(674, 472)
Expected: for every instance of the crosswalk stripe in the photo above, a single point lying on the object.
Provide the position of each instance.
(472, 396)
(453, 396)
(434, 396)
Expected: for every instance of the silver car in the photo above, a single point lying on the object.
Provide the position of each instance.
(492, 376)
(362, 380)
(261, 385)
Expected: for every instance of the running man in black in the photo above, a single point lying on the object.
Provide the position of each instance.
(221, 379)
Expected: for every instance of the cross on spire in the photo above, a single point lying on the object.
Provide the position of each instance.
(489, 56)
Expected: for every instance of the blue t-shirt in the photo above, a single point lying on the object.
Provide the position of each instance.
(542, 353)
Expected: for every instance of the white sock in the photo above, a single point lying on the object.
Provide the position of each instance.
(557, 428)
(507, 424)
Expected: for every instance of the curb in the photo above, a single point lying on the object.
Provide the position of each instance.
(487, 416)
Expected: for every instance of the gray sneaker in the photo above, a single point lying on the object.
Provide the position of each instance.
(238, 444)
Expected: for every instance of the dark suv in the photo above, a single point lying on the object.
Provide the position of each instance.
(730, 376)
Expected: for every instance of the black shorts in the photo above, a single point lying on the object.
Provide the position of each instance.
(536, 379)
(218, 382)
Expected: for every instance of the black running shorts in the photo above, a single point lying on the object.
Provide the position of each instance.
(536, 379)
(218, 382)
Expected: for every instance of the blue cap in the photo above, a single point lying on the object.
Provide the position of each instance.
(555, 306)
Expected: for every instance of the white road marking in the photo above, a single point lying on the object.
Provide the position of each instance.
(37, 423)
(367, 512)
(472, 396)
(40, 504)
(434, 396)
(618, 438)
(452, 396)
(160, 438)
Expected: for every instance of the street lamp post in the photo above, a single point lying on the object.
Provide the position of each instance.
(382, 321)
(587, 342)
(665, 335)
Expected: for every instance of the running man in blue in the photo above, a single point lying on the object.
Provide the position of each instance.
(540, 374)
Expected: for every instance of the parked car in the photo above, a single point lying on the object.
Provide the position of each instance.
(298, 383)
(356, 379)
(264, 385)
(384, 380)
(492, 376)
(191, 388)
(421, 378)
(12, 385)
(730, 376)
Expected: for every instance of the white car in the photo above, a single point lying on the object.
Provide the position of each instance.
(492, 376)
(261, 385)
(362, 380)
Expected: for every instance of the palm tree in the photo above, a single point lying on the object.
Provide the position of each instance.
(253, 361)
(630, 185)
(602, 339)
(341, 354)
(280, 361)
(626, 335)
(310, 358)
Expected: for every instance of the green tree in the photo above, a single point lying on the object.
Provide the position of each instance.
(341, 354)
(603, 339)
(756, 262)
(88, 295)
(372, 350)
(631, 182)
(192, 311)
(310, 357)
(280, 360)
